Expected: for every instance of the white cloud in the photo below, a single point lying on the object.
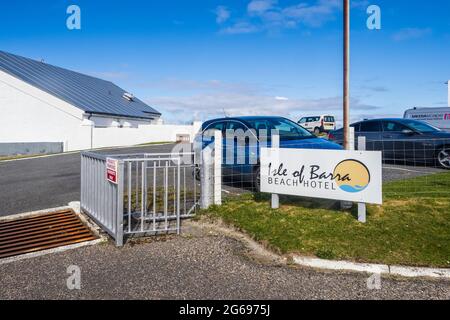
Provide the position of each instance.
(222, 14)
(267, 15)
(312, 15)
(375, 88)
(206, 106)
(183, 85)
(260, 6)
(240, 28)
(411, 33)
(360, 4)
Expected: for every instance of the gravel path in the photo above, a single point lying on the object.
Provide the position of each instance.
(200, 265)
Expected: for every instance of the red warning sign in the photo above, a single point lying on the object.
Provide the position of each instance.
(111, 170)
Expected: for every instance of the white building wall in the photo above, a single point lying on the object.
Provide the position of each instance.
(111, 137)
(28, 114)
(106, 122)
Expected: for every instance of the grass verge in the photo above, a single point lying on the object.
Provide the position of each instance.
(21, 157)
(30, 156)
(154, 143)
(408, 229)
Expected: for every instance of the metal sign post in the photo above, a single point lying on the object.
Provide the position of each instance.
(275, 197)
(218, 148)
(346, 205)
(207, 178)
(362, 213)
(346, 105)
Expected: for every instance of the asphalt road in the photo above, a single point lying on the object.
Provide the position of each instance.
(42, 183)
(36, 184)
(198, 265)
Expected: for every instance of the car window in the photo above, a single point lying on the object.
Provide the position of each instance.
(302, 120)
(234, 125)
(391, 126)
(370, 126)
(286, 128)
(329, 119)
(420, 126)
(217, 126)
(260, 125)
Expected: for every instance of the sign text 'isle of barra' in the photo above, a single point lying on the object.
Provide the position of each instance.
(329, 174)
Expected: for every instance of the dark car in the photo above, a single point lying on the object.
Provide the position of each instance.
(403, 141)
(244, 164)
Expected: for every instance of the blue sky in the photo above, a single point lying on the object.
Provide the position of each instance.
(201, 59)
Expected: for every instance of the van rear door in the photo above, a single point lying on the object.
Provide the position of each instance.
(329, 123)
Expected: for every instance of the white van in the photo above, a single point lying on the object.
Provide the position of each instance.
(437, 117)
(318, 124)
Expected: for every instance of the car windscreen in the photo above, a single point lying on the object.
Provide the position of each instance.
(420, 126)
(287, 129)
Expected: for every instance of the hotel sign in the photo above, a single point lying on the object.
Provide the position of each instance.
(329, 174)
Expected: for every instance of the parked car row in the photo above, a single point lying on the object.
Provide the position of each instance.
(244, 166)
(318, 124)
(403, 141)
(400, 140)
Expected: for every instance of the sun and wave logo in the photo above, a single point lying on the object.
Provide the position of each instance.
(359, 176)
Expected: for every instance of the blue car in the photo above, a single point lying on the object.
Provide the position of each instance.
(241, 152)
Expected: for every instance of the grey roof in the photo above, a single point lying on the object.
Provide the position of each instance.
(87, 93)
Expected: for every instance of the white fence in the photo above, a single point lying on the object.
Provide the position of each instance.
(113, 137)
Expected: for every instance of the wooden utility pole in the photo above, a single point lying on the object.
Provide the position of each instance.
(346, 74)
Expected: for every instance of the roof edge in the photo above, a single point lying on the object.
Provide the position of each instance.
(150, 117)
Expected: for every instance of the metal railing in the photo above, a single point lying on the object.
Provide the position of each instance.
(153, 193)
(99, 198)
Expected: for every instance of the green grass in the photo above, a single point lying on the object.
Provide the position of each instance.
(407, 230)
(21, 157)
(153, 143)
(136, 201)
(16, 157)
(428, 186)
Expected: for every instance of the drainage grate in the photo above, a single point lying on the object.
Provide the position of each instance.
(42, 232)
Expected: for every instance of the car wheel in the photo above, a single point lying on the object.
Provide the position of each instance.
(443, 158)
(257, 179)
(317, 131)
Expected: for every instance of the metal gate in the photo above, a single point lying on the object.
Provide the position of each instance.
(151, 195)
